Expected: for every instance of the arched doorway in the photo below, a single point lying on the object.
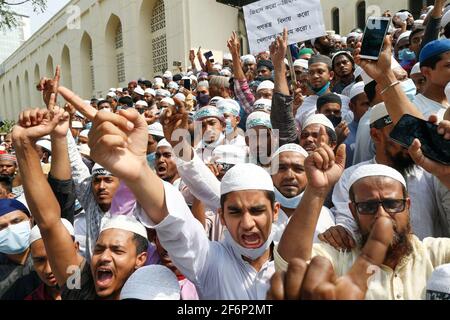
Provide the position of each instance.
(114, 51)
(361, 15)
(66, 66)
(335, 20)
(87, 66)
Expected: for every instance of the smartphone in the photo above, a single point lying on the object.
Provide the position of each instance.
(434, 146)
(373, 38)
(208, 55)
(177, 63)
(187, 84)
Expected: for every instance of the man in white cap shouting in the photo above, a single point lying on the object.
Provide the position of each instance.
(238, 268)
(380, 203)
(230, 110)
(122, 244)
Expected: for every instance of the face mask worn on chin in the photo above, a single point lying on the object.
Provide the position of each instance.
(151, 159)
(203, 99)
(229, 128)
(252, 254)
(320, 92)
(16, 238)
(335, 120)
(289, 203)
(409, 88)
(215, 143)
(406, 55)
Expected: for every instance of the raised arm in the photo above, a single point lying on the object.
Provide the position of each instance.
(323, 170)
(43, 205)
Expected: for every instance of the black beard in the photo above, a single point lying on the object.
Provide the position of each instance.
(401, 163)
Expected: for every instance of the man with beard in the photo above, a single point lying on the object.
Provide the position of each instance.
(8, 169)
(378, 198)
(424, 207)
(324, 45)
(343, 67)
(311, 132)
(289, 180)
(165, 165)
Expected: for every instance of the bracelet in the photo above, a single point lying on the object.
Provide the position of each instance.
(390, 86)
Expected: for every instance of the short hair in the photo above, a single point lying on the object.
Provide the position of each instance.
(219, 81)
(414, 32)
(431, 61)
(141, 243)
(331, 134)
(147, 83)
(102, 102)
(269, 194)
(6, 182)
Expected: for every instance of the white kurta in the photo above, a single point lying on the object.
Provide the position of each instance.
(218, 272)
(424, 211)
(429, 107)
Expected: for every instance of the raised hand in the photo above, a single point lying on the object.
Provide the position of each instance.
(342, 132)
(324, 168)
(375, 69)
(191, 56)
(318, 281)
(173, 118)
(87, 110)
(278, 49)
(234, 45)
(338, 237)
(49, 86)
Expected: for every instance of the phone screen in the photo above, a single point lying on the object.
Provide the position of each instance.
(374, 37)
(187, 84)
(434, 146)
(208, 55)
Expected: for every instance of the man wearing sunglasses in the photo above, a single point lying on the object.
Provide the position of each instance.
(424, 197)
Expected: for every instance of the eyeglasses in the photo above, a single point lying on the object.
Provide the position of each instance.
(389, 205)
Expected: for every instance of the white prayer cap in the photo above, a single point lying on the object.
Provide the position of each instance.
(263, 105)
(318, 119)
(169, 101)
(246, 176)
(98, 170)
(154, 282)
(164, 143)
(84, 133)
(301, 63)
(142, 103)
(229, 106)
(248, 59)
(36, 233)
(404, 35)
(47, 145)
(366, 78)
(173, 85)
(445, 19)
(344, 39)
(357, 89)
(77, 125)
(84, 150)
(156, 129)
(337, 37)
(438, 286)
(193, 78)
(229, 154)
(162, 93)
(111, 95)
(375, 170)
(203, 83)
(208, 112)
(227, 56)
(290, 147)
(217, 66)
(258, 118)
(415, 69)
(418, 23)
(213, 101)
(112, 90)
(119, 90)
(180, 96)
(353, 35)
(267, 84)
(150, 91)
(159, 81)
(139, 90)
(127, 223)
(225, 73)
(379, 112)
(168, 75)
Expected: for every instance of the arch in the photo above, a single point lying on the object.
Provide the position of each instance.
(114, 51)
(66, 67)
(87, 66)
(37, 77)
(10, 102)
(49, 67)
(335, 20)
(361, 15)
(146, 53)
(27, 88)
(159, 38)
(18, 96)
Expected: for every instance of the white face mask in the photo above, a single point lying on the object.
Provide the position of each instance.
(216, 143)
(289, 203)
(252, 254)
(16, 238)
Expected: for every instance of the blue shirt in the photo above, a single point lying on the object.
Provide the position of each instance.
(350, 143)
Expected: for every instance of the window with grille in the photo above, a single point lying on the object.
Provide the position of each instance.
(159, 39)
(119, 39)
(92, 77)
(120, 67)
(159, 17)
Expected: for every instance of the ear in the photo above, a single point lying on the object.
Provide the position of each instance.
(276, 211)
(376, 135)
(140, 260)
(331, 75)
(221, 215)
(238, 119)
(351, 105)
(426, 71)
(11, 196)
(76, 245)
(408, 203)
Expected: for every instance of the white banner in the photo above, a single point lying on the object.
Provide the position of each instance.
(266, 19)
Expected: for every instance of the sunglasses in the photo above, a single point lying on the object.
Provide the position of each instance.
(391, 206)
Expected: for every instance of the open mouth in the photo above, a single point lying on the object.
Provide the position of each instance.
(251, 240)
(161, 170)
(104, 277)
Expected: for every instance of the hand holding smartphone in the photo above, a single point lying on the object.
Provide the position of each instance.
(373, 38)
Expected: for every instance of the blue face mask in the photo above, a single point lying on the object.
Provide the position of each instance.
(229, 128)
(151, 158)
(406, 55)
(321, 91)
(16, 238)
(409, 88)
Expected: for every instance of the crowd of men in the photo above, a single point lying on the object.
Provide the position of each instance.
(250, 178)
